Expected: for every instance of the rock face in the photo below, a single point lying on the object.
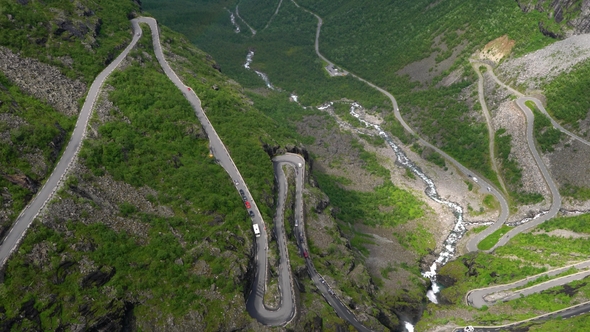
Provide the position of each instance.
(575, 13)
(42, 81)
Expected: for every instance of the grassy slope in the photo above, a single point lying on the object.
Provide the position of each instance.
(42, 131)
(510, 263)
(384, 36)
(567, 95)
(284, 51)
(139, 152)
(257, 12)
(33, 32)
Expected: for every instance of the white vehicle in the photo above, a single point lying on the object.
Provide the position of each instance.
(296, 222)
(256, 230)
(489, 189)
(469, 329)
(475, 179)
(299, 165)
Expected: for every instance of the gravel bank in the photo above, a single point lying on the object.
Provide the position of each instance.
(534, 69)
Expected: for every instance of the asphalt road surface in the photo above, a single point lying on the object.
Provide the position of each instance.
(477, 297)
(482, 182)
(490, 295)
(576, 310)
(254, 304)
(293, 160)
(491, 133)
(24, 220)
(15, 235)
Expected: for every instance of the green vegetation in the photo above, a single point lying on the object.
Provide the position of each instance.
(435, 158)
(478, 229)
(553, 299)
(545, 134)
(443, 120)
(420, 240)
(579, 323)
(96, 33)
(388, 205)
(545, 278)
(347, 29)
(284, 51)
(567, 95)
(371, 163)
(493, 238)
(257, 12)
(337, 262)
(32, 129)
(511, 170)
(578, 224)
(490, 202)
(152, 140)
(576, 192)
(510, 262)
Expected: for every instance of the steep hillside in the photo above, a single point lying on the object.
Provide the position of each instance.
(575, 15)
(147, 222)
(49, 51)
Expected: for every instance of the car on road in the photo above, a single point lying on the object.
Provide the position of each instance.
(189, 89)
(256, 230)
(242, 192)
(469, 329)
(305, 254)
(296, 223)
(247, 204)
(489, 189)
(251, 213)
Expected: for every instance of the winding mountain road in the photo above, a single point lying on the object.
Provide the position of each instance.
(500, 293)
(254, 304)
(269, 317)
(482, 182)
(30, 212)
(504, 211)
(556, 197)
(294, 161)
(491, 133)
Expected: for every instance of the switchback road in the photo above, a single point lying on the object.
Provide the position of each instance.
(499, 293)
(556, 197)
(30, 212)
(491, 133)
(254, 304)
(504, 211)
(482, 182)
(298, 164)
(278, 317)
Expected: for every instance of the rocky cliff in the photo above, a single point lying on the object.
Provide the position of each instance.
(573, 16)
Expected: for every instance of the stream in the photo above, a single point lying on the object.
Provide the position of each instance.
(450, 243)
(232, 18)
(249, 58)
